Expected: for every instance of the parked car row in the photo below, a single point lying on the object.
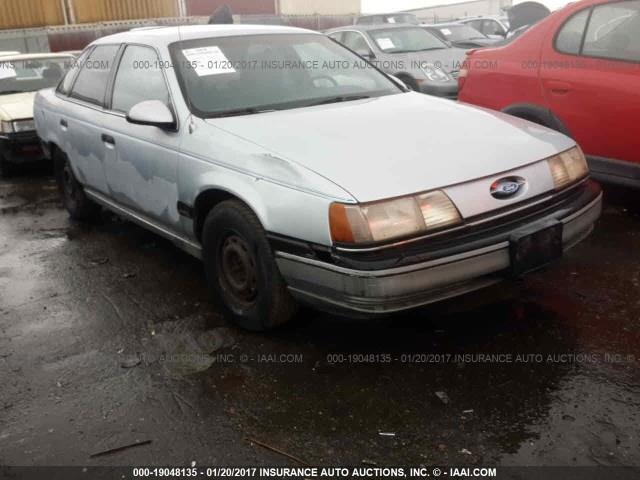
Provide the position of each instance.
(300, 178)
(424, 62)
(21, 76)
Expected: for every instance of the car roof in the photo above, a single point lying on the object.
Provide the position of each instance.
(447, 24)
(159, 36)
(34, 56)
(379, 26)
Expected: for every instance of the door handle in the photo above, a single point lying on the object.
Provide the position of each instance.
(559, 88)
(109, 140)
(64, 124)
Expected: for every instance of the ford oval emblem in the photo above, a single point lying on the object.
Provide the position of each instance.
(507, 187)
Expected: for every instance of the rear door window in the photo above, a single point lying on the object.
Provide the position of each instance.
(491, 27)
(91, 84)
(67, 82)
(569, 39)
(614, 32)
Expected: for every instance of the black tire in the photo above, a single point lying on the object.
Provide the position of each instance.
(241, 270)
(79, 206)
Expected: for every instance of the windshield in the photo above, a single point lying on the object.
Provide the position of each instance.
(405, 40)
(457, 33)
(253, 73)
(19, 76)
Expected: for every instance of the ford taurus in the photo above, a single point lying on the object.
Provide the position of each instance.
(297, 175)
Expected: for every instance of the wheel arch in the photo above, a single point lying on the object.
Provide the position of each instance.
(208, 198)
(538, 114)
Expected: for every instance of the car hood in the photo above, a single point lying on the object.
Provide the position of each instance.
(449, 59)
(17, 106)
(398, 144)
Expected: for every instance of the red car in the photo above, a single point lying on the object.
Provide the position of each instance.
(577, 71)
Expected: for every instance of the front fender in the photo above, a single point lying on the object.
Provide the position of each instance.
(280, 208)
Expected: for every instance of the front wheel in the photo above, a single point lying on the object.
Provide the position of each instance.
(79, 206)
(241, 271)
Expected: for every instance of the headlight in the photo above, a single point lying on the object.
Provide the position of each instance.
(435, 74)
(389, 219)
(24, 126)
(6, 127)
(568, 167)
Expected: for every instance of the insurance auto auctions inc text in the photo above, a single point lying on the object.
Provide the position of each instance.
(375, 472)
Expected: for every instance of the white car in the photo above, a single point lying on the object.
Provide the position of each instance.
(21, 76)
(300, 174)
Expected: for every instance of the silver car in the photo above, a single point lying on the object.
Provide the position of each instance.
(299, 177)
(424, 62)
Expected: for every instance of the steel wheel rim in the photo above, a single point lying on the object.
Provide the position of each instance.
(239, 274)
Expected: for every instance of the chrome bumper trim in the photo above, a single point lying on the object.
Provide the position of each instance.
(402, 288)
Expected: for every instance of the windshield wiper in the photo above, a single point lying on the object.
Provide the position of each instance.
(242, 111)
(338, 99)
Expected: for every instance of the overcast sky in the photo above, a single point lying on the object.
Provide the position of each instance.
(373, 6)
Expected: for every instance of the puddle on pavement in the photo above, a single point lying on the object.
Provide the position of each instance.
(179, 350)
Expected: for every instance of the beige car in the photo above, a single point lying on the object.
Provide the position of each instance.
(21, 76)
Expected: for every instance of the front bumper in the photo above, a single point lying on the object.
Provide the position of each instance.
(21, 148)
(356, 292)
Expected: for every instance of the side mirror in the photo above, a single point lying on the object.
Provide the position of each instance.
(153, 113)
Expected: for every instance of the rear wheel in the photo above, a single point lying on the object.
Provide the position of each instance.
(241, 271)
(79, 206)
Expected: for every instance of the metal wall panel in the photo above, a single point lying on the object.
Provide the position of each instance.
(87, 11)
(30, 13)
(76, 37)
(238, 7)
(30, 40)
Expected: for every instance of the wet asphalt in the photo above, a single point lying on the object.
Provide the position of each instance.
(108, 338)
